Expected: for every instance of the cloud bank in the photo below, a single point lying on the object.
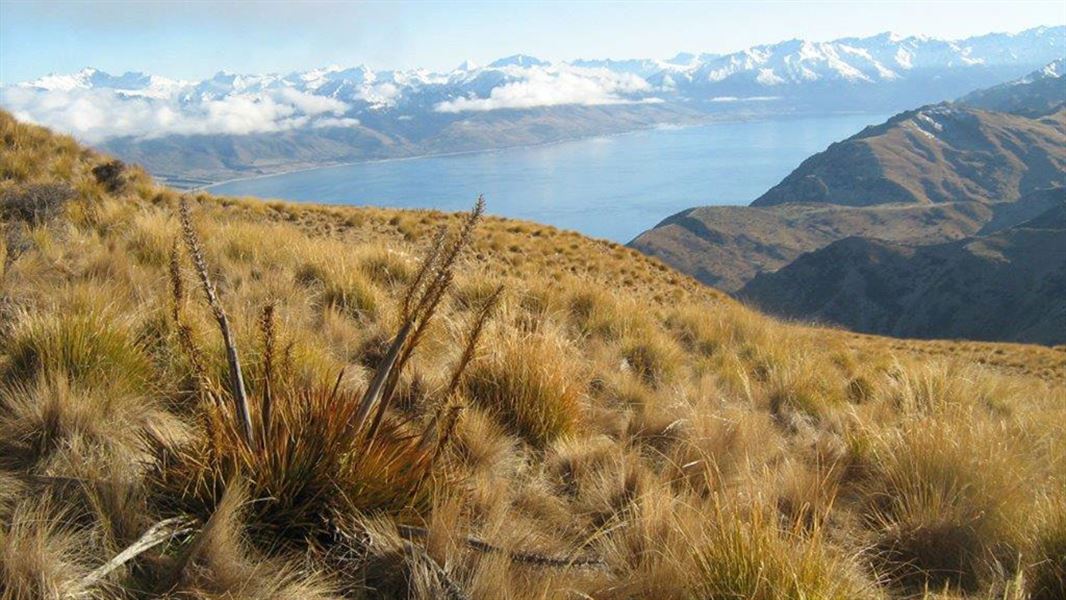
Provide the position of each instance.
(541, 87)
(94, 115)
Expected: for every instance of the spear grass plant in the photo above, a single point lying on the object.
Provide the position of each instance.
(308, 453)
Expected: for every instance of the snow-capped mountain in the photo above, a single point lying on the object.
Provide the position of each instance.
(131, 83)
(847, 73)
(1053, 70)
(338, 113)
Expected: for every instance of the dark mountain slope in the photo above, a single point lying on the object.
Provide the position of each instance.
(1008, 286)
(1029, 206)
(726, 246)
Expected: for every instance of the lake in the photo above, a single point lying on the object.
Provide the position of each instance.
(610, 187)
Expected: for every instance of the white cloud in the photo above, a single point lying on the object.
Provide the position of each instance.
(311, 104)
(731, 99)
(334, 122)
(555, 86)
(241, 105)
(95, 115)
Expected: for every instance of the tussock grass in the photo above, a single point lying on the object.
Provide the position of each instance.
(652, 356)
(528, 382)
(753, 557)
(596, 312)
(604, 428)
(89, 347)
(947, 502)
(1046, 572)
(347, 290)
(41, 556)
(219, 562)
(46, 419)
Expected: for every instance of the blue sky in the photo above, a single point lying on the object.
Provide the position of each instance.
(195, 39)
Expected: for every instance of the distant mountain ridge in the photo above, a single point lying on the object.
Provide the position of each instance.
(337, 114)
(904, 181)
(1039, 93)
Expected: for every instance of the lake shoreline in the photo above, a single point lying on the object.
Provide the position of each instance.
(726, 119)
(610, 186)
(326, 166)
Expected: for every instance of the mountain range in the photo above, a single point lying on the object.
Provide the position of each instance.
(944, 221)
(233, 125)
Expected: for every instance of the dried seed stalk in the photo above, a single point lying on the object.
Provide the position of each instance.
(421, 301)
(236, 377)
(266, 325)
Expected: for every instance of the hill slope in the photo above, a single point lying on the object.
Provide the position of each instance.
(726, 246)
(1007, 286)
(618, 431)
(942, 153)
(926, 176)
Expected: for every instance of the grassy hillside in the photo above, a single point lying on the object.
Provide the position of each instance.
(602, 428)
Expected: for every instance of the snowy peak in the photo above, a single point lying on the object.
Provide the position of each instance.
(1053, 70)
(842, 74)
(93, 78)
(130, 83)
(519, 60)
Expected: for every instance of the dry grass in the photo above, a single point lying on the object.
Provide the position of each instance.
(528, 383)
(618, 431)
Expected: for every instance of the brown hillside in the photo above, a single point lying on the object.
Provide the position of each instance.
(941, 153)
(727, 246)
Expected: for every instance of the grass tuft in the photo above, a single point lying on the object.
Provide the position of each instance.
(530, 384)
(91, 347)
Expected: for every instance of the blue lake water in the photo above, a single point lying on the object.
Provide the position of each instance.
(611, 187)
